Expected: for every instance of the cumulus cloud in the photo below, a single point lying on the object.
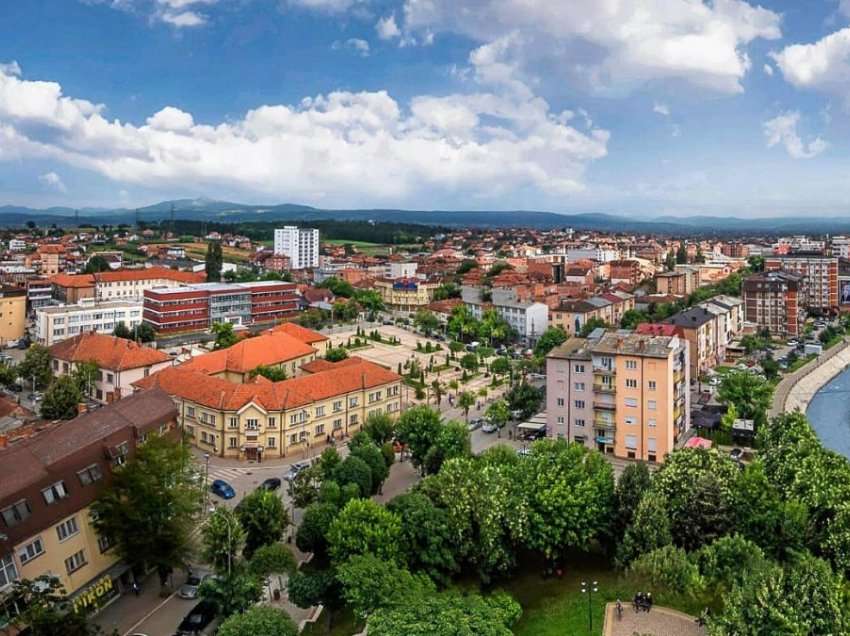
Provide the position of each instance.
(614, 46)
(768, 70)
(177, 13)
(331, 148)
(361, 47)
(822, 66)
(782, 129)
(661, 109)
(387, 28)
(10, 68)
(328, 6)
(53, 181)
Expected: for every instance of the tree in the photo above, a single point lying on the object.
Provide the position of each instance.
(370, 300)
(303, 489)
(426, 543)
(365, 527)
(447, 614)
(338, 287)
(379, 426)
(259, 621)
(551, 338)
(682, 254)
(632, 318)
(274, 558)
(499, 413)
(61, 399)
(222, 539)
(336, 354)
(122, 331)
(559, 478)
(362, 447)
(317, 587)
(500, 366)
(224, 335)
(469, 362)
(275, 374)
(426, 321)
(369, 583)
(264, 519)
(232, 592)
(214, 261)
(312, 534)
(466, 401)
(452, 441)
(805, 597)
(591, 324)
(729, 418)
(524, 398)
(649, 531)
(36, 366)
(751, 395)
(145, 333)
(353, 470)
(96, 264)
(728, 561)
(462, 323)
(85, 374)
(669, 567)
(416, 428)
(634, 482)
(149, 508)
(45, 610)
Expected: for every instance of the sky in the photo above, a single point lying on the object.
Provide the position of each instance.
(640, 107)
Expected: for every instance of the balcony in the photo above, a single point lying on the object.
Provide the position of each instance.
(605, 406)
(604, 387)
(600, 370)
(600, 421)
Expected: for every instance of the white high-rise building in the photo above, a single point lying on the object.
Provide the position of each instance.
(301, 245)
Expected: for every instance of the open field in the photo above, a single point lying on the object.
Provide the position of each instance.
(199, 250)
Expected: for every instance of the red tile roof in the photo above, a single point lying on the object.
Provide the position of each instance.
(301, 333)
(220, 394)
(655, 329)
(249, 353)
(108, 351)
(151, 273)
(73, 280)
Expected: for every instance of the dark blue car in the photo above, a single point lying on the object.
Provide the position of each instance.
(223, 489)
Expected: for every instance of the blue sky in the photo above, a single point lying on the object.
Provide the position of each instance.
(650, 107)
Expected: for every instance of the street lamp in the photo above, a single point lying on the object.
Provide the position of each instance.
(206, 481)
(589, 590)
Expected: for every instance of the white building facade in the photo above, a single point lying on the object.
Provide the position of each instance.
(56, 323)
(300, 245)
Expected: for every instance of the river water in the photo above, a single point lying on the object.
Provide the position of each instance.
(829, 413)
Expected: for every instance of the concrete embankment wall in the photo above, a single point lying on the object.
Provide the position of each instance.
(802, 388)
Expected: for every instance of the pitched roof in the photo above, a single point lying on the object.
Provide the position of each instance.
(73, 280)
(303, 334)
(249, 353)
(109, 352)
(196, 386)
(151, 273)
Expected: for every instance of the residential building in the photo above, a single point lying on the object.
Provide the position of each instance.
(13, 314)
(39, 293)
(54, 323)
(120, 362)
(300, 245)
(52, 258)
(625, 271)
(405, 294)
(680, 282)
(772, 301)
(199, 306)
(621, 393)
(528, 318)
(17, 245)
(400, 269)
(820, 293)
(48, 482)
(735, 250)
(125, 284)
(571, 315)
(263, 419)
(701, 332)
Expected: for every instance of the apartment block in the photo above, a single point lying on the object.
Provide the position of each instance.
(56, 323)
(527, 317)
(622, 393)
(125, 284)
(300, 245)
(680, 282)
(701, 331)
(48, 482)
(820, 292)
(197, 307)
(13, 313)
(772, 301)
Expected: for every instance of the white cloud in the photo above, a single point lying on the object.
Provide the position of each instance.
(676, 130)
(387, 28)
(53, 181)
(328, 6)
(768, 70)
(615, 46)
(331, 149)
(11, 68)
(822, 66)
(661, 109)
(361, 47)
(183, 18)
(782, 129)
(176, 13)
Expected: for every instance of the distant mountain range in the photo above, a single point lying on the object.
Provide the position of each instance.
(204, 209)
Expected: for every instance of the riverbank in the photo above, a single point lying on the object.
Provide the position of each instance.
(797, 389)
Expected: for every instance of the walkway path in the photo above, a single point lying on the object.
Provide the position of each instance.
(660, 621)
(797, 389)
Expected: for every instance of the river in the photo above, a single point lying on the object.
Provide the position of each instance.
(829, 413)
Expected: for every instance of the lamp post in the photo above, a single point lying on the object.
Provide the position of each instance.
(206, 481)
(589, 589)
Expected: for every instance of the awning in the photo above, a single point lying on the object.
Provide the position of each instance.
(698, 442)
(536, 423)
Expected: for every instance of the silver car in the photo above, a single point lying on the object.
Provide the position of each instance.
(189, 590)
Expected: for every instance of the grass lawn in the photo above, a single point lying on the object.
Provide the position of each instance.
(344, 624)
(800, 362)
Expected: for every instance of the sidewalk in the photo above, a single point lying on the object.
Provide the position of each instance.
(127, 610)
(787, 384)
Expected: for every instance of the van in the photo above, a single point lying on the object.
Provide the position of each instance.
(472, 346)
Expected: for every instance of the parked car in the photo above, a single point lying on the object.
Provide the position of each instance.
(474, 424)
(222, 489)
(197, 620)
(272, 483)
(294, 470)
(489, 427)
(737, 454)
(189, 590)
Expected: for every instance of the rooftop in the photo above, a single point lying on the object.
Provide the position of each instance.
(109, 352)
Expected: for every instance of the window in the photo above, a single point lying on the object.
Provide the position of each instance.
(337, 406)
(110, 378)
(272, 422)
(631, 383)
(8, 572)
(651, 421)
(320, 411)
(579, 404)
(320, 430)
(103, 544)
(631, 420)
(75, 561)
(337, 424)
(631, 364)
(293, 439)
(631, 442)
(54, 492)
(90, 474)
(560, 401)
(579, 421)
(579, 368)
(560, 419)
(353, 419)
(234, 422)
(650, 404)
(16, 513)
(271, 442)
(252, 425)
(31, 550)
(630, 402)
(190, 411)
(67, 528)
(651, 384)
(352, 402)
(232, 442)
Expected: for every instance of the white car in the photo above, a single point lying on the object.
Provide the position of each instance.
(489, 427)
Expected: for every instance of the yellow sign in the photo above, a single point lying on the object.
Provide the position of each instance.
(95, 594)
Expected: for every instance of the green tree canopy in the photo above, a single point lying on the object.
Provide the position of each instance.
(365, 527)
(224, 335)
(417, 427)
(380, 427)
(264, 519)
(312, 534)
(336, 354)
(222, 539)
(213, 261)
(750, 394)
(426, 543)
(122, 331)
(36, 366)
(551, 338)
(61, 399)
(353, 470)
(649, 530)
(451, 441)
(96, 264)
(369, 583)
(275, 374)
(259, 621)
